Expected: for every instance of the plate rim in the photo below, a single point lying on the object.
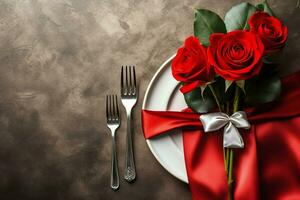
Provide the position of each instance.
(157, 73)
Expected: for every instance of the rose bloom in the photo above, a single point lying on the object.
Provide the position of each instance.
(190, 65)
(236, 55)
(271, 31)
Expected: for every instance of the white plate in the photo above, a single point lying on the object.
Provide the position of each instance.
(163, 94)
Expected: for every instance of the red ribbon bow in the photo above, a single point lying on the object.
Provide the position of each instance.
(267, 168)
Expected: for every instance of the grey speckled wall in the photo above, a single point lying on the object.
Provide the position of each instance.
(58, 59)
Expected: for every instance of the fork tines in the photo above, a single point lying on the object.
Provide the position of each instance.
(112, 109)
(128, 81)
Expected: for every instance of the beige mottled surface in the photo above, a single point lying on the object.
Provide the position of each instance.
(58, 59)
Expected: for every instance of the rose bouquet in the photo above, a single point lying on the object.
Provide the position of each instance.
(231, 64)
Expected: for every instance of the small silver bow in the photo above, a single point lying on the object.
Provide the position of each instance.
(232, 137)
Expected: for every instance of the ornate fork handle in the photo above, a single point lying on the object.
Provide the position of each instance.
(130, 173)
(114, 176)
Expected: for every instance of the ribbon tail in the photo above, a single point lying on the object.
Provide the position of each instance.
(232, 137)
(204, 162)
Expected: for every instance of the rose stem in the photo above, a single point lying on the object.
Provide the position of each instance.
(228, 108)
(230, 159)
(220, 109)
(226, 160)
(230, 179)
(236, 99)
(215, 96)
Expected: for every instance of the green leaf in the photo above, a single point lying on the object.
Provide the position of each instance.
(237, 17)
(266, 8)
(197, 102)
(203, 87)
(207, 22)
(274, 58)
(241, 84)
(270, 70)
(227, 84)
(263, 89)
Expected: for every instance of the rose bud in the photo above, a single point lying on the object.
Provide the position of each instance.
(190, 65)
(236, 55)
(271, 31)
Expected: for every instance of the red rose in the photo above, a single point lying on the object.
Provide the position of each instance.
(190, 65)
(236, 55)
(271, 31)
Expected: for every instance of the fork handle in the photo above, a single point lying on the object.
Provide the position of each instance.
(114, 176)
(130, 173)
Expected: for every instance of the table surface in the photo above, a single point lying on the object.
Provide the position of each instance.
(58, 59)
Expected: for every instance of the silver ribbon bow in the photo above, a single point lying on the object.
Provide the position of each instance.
(232, 137)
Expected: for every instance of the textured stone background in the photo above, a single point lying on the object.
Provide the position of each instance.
(58, 59)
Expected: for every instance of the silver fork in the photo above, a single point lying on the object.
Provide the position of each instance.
(129, 95)
(113, 123)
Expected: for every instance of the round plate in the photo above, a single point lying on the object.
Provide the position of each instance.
(163, 94)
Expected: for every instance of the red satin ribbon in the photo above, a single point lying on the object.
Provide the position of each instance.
(268, 168)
